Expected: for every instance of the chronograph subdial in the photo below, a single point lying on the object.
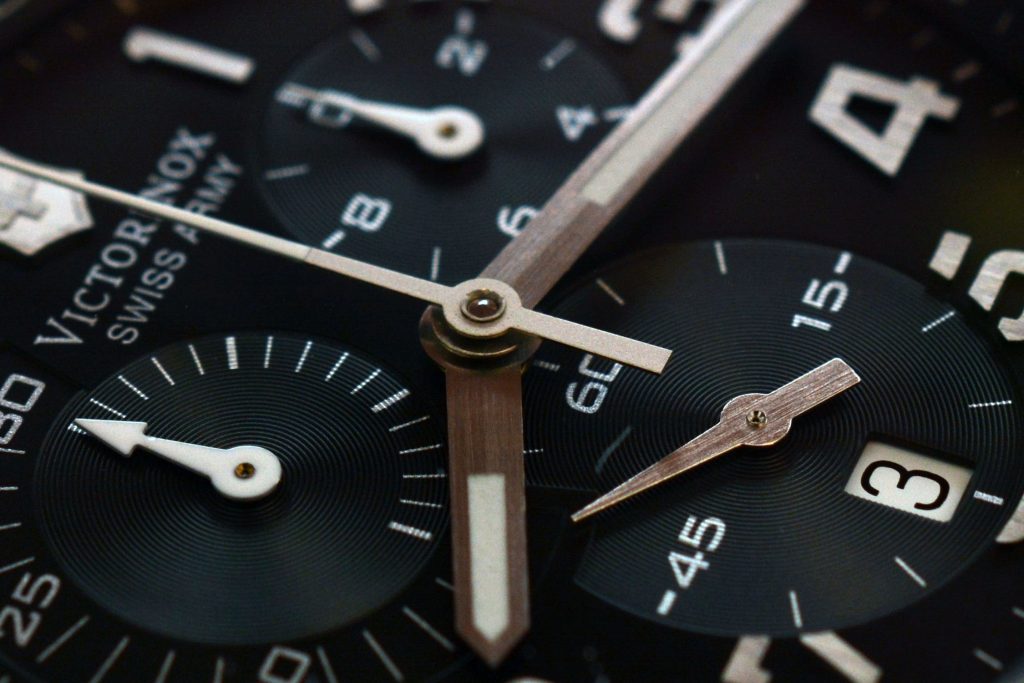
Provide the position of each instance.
(424, 140)
(889, 490)
(355, 512)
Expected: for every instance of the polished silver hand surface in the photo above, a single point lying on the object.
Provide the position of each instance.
(461, 304)
(747, 420)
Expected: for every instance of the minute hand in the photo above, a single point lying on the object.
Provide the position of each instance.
(620, 166)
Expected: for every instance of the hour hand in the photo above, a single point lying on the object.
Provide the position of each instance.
(240, 473)
(747, 420)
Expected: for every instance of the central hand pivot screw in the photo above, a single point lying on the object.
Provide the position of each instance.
(483, 306)
(245, 470)
(757, 419)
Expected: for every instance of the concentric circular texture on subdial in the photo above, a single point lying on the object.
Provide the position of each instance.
(158, 546)
(798, 551)
(341, 183)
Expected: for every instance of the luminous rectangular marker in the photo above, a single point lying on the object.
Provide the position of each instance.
(334, 239)
(410, 423)
(195, 359)
(420, 449)
(163, 372)
(606, 288)
(302, 359)
(286, 172)
(403, 501)
(988, 498)
(107, 408)
(488, 551)
(911, 573)
(362, 385)
(143, 44)
(843, 263)
(341, 360)
(988, 660)
(938, 321)
(411, 531)
(268, 351)
(232, 350)
(390, 400)
(135, 389)
(558, 54)
(990, 404)
(435, 264)
(723, 268)
(668, 600)
(794, 606)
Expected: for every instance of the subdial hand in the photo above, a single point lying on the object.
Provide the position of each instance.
(445, 132)
(747, 420)
(240, 473)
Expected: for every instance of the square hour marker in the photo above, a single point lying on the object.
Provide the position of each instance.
(912, 482)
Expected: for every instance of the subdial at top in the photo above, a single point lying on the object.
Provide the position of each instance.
(887, 491)
(354, 512)
(425, 142)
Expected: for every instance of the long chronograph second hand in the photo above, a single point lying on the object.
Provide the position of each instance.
(458, 303)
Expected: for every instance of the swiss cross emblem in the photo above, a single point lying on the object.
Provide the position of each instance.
(35, 214)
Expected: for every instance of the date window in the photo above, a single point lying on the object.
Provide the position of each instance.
(912, 482)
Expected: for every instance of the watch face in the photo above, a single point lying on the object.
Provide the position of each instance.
(227, 449)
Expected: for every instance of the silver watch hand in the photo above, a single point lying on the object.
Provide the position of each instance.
(240, 473)
(445, 132)
(748, 420)
(736, 34)
(479, 309)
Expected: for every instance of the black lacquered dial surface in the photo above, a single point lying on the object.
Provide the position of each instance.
(856, 193)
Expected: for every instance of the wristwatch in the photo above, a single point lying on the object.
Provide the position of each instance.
(511, 340)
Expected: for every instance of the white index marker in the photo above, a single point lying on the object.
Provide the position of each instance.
(143, 44)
